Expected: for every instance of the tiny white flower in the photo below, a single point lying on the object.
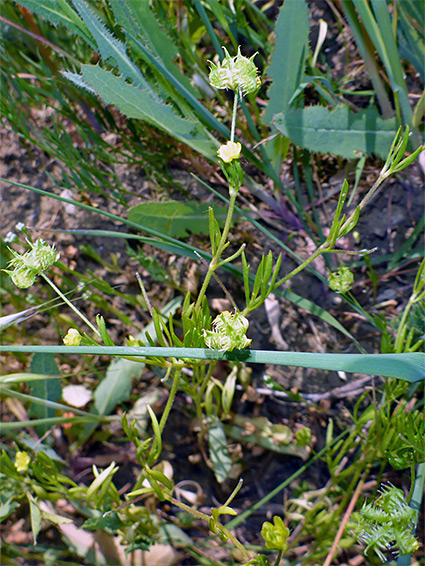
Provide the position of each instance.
(10, 237)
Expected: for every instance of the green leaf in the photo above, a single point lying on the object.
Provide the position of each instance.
(339, 131)
(138, 103)
(176, 219)
(137, 19)
(219, 452)
(7, 507)
(35, 517)
(58, 12)
(288, 59)
(46, 389)
(110, 48)
(111, 521)
(112, 390)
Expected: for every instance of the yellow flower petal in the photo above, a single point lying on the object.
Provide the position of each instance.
(230, 151)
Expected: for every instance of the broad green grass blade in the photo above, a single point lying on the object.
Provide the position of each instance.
(339, 132)
(409, 367)
(289, 55)
(46, 390)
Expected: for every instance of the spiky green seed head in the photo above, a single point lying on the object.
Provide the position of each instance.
(228, 332)
(26, 267)
(342, 280)
(239, 74)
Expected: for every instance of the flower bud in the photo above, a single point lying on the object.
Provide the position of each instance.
(229, 151)
(275, 534)
(237, 73)
(22, 461)
(72, 338)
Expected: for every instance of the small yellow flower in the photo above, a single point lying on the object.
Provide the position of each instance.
(22, 461)
(229, 151)
(72, 338)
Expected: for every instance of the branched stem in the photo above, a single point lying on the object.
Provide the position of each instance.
(207, 518)
(215, 260)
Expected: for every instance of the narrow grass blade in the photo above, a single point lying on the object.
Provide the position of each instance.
(288, 59)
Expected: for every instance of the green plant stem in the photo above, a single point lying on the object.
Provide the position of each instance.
(320, 250)
(207, 518)
(364, 200)
(170, 400)
(215, 260)
(199, 396)
(68, 302)
(278, 558)
(235, 108)
(327, 246)
(166, 412)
